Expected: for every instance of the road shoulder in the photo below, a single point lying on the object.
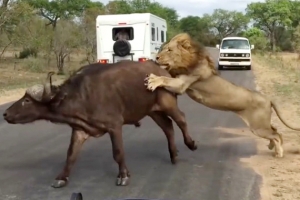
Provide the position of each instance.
(280, 175)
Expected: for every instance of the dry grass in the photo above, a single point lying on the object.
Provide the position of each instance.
(18, 74)
(278, 77)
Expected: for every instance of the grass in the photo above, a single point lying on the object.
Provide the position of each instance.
(22, 73)
(286, 64)
(18, 74)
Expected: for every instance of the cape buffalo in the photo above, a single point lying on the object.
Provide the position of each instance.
(99, 99)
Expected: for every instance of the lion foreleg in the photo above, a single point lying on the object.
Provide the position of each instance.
(177, 85)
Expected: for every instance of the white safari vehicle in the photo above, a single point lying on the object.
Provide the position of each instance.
(144, 35)
(235, 52)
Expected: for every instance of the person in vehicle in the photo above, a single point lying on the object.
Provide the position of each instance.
(122, 35)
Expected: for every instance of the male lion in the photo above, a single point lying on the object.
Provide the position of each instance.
(193, 72)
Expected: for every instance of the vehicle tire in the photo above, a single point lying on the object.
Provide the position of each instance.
(122, 48)
(76, 196)
(220, 67)
(248, 67)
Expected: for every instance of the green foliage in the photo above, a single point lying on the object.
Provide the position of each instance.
(227, 23)
(191, 25)
(34, 65)
(257, 37)
(27, 52)
(269, 15)
(296, 40)
(53, 10)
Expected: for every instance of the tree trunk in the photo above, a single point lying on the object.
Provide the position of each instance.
(273, 42)
(4, 3)
(60, 64)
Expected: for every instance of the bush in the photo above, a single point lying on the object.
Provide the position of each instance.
(28, 52)
(34, 65)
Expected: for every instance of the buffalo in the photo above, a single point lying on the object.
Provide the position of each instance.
(98, 99)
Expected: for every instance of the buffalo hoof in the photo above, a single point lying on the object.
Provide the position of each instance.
(192, 145)
(138, 124)
(174, 160)
(173, 156)
(122, 181)
(59, 183)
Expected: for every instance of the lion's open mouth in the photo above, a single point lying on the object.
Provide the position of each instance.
(164, 66)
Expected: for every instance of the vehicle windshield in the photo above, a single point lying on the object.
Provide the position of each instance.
(235, 44)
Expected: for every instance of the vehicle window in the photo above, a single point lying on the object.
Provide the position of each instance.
(153, 34)
(157, 33)
(162, 37)
(122, 33)
(235, 44)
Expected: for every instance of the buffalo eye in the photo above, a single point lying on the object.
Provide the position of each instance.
(26, 101)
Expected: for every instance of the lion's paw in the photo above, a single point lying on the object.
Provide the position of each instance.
(152, 82)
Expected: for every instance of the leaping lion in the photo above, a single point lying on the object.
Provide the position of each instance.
(193, 72)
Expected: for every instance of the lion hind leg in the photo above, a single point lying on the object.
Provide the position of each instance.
(243, 115)
(272, 144)
(274, 137)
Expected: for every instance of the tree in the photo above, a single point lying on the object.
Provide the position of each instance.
(87, 27)
(270, 14)
(118, 7)
(227, 22)
(31, 34)
(296, 41)
(190, 25)
(54, 10)
(10, 20)
(256, 37)
(198, 28)
(295, 10)
(66, 39)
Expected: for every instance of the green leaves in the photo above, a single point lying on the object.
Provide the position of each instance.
(60, 9)
(228, 22)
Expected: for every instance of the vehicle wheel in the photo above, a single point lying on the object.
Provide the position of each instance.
(76, 196)
(220, 67)
(248, 67)
(122, 48)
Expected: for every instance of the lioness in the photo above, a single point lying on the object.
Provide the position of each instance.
(193, 72)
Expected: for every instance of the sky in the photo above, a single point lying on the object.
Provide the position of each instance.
(200, 7)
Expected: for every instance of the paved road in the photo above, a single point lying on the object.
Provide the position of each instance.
(32, 155)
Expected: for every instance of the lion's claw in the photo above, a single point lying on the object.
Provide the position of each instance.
(152, 82)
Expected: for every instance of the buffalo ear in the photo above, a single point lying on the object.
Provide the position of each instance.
(58, 98)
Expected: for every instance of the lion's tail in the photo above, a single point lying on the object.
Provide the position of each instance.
(275, 107)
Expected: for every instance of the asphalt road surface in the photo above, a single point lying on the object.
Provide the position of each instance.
(32, 155)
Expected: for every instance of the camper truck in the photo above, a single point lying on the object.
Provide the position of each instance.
(136, 36)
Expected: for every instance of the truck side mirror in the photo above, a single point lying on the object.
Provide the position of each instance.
(217, 46)
(252, 46)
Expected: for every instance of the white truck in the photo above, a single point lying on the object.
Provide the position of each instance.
(145, 33)
(235, 52)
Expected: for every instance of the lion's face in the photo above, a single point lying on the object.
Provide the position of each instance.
(179, 54)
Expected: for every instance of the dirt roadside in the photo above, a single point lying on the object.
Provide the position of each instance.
(281, 176)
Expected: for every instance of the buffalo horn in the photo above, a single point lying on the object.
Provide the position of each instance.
(48, 85)
(36, 92)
